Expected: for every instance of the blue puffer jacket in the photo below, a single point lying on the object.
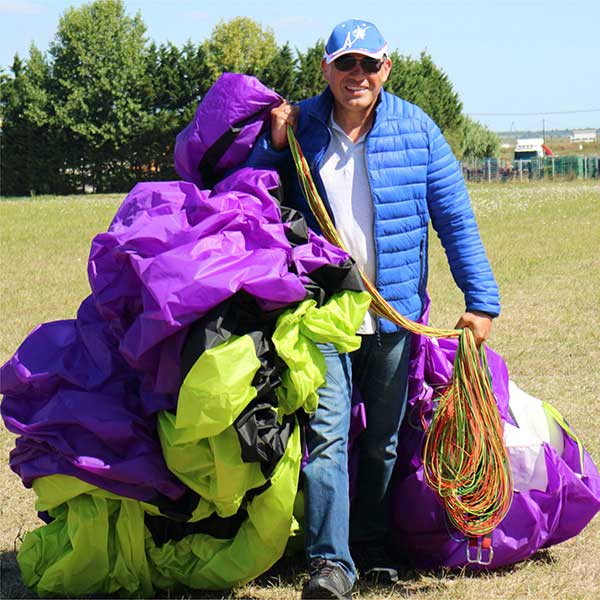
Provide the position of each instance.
(414, 177)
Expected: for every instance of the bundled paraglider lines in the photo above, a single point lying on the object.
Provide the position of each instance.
(464, 457)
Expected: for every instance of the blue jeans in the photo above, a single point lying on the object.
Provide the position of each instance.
(380, 368)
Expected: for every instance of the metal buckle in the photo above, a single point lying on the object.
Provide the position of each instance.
(472, 552)
(480, 553)
(485, 551)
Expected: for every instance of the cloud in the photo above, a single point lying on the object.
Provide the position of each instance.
(20, 7)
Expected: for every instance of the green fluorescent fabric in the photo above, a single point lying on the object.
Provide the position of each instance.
(338, 320)
(201, 562)
(211, 467)
(199, 445)
(98, 542)
(95, 544)
(295, 337)
(218, 387)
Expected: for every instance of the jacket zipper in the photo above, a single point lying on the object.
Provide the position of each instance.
(376, 282)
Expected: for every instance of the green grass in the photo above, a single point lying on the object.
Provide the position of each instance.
(44, 244)
(543, 241)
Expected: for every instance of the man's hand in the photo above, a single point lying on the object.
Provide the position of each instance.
(282, 116)
(478, 322)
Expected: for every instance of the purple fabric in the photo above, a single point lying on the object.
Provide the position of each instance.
(421, 533)
(79, 411)
(173, 252)
(83, 393)
(358, 423)
(232, 98)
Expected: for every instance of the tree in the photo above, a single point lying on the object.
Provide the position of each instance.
(424, 84)
(175, 80)
(31, 162)
(477, 140)
(14, 177)
(98, 66)
(309, 80)
(240, 45)
(280, 74)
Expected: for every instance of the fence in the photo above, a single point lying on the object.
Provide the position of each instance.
(548, 167)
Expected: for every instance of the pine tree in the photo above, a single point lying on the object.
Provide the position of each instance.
(280, 74)
(309, 81)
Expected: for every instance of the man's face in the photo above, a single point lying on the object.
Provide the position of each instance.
(355, 91)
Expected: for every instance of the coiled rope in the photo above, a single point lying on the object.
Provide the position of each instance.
(464, 457)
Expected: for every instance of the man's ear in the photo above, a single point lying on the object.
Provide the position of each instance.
(325, 69)
(386, 69)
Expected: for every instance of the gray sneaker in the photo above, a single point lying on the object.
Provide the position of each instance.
(374, 564)
(327, 580)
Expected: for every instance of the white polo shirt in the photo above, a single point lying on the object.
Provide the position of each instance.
(344, 175)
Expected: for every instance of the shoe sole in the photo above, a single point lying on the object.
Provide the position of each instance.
(333, 594)
(381, 576)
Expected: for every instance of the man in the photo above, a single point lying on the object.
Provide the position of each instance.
(383, 169)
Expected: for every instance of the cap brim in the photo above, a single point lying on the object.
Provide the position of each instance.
(329, 58)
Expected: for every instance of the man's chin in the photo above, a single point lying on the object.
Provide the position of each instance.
(359, 103)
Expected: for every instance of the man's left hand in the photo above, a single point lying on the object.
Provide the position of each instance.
(479, 323)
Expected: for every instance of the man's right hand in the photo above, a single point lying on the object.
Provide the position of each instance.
(282, 116)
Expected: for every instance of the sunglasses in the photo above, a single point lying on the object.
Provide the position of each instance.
(368, 64)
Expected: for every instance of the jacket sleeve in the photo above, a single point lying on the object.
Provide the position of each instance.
(453, 219)
(264, 156)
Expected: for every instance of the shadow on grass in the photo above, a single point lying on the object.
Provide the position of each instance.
(541, 557)
(422, 581)
(11, 585)
(289, 572)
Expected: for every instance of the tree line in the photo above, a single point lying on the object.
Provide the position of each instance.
(100, 109)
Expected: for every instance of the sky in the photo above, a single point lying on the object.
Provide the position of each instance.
(516, 64)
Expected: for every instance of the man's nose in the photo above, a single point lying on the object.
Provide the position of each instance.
(357, 68)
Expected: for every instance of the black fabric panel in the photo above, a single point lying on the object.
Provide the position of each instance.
(262, 439)
(334, 278)
(181, 509)
(297, 230)
(239, 315)
(268, 376)
(222, 528)
(213, 155)
(277, 193)
(164, 529)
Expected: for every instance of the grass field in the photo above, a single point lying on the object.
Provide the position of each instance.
(544, 244)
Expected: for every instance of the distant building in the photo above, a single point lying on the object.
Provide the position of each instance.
(583, 136)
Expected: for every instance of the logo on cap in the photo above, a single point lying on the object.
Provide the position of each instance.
(359, 33)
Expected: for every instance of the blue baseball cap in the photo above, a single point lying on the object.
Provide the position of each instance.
(355, 36)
